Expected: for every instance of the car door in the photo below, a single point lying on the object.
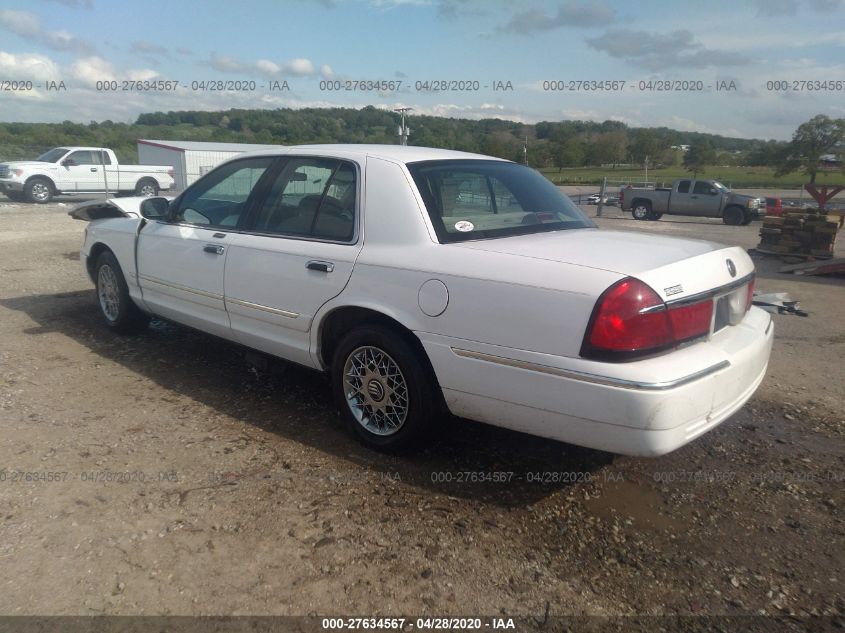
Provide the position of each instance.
(679, 203)
(81, 171)
(296, 253)
(705, 200)
(181, 262)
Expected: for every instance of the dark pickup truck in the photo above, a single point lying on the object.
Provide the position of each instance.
(703, 198)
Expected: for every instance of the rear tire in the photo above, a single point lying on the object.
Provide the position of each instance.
(119, 311)
(147, 187)
(733, 216)
(386, 395)
(641, 210)
(38, 190)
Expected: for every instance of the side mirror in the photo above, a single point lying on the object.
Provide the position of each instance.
(68, 162)
(713, 192)
(155, 208)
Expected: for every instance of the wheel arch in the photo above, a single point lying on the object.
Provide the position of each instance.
(147, 179)
(97, 249)
(49, 180)
(342, 318)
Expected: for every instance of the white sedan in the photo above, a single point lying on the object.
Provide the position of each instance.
(426, 280)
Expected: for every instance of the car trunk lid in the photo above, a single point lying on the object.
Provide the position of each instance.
(676, 268)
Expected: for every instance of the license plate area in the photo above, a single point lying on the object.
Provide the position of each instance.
(729, 308)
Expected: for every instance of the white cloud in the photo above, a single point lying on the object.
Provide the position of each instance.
(21, 23)
(299, 67)
(28, 25)
(28, 66)
(141, 74)
(266, 67)
(64, 41)
(93, 69)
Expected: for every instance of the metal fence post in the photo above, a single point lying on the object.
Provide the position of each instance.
(601, 197)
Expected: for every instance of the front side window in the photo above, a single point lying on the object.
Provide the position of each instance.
(311, 198)
(703, 187)
(219, 199)
(477, 199)
(82, 157)
(53, 155)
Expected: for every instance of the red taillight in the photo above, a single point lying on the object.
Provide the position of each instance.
(630, 319)
(692, 320)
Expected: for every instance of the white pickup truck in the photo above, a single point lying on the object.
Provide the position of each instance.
(72, 170)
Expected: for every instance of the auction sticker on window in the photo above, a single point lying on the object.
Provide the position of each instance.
(464, 227)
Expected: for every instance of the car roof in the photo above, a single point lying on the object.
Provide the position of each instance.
(396, 153)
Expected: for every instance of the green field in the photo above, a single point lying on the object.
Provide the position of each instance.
(735, 177)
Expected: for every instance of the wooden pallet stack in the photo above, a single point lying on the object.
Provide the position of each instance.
(810, 232)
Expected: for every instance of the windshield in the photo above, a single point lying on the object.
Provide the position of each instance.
(53, 155)
(477, 199)
(719, 185)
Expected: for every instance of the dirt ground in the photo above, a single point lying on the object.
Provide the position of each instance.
(168, 474)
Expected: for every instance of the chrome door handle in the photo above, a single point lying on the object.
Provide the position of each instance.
(319, 265)
(216, 249)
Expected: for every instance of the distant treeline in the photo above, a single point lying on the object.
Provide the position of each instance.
(549, 144)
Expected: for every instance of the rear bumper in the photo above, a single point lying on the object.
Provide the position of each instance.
(648, 407)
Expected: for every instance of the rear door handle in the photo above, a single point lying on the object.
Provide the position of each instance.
(323, 267)
(93, 169)
(215, 249)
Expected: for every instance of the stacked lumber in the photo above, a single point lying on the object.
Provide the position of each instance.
(808, 232)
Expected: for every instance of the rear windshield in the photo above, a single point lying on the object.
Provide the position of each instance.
(479, 199)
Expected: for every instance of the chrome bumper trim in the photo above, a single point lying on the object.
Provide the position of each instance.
(592, 378)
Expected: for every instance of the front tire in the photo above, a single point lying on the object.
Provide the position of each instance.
(386, 395)
(733, 216)
(119, 311)
(146, 187)
(38, 190)
(641, 210)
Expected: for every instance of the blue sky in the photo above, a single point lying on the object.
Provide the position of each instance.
(306, 42)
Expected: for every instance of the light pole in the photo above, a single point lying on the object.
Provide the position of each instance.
(404, 132)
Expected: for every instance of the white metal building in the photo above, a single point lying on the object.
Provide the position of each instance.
(190, 159)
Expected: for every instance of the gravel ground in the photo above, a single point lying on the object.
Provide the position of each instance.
(174, 475)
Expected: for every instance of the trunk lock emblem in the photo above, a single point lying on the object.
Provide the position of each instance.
(731, 267)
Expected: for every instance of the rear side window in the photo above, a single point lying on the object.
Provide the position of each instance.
(311, 198)
(478, 199)
(683, 186)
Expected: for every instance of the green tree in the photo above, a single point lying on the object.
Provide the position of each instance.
(645, 145)
(812, 140)
(698, 156)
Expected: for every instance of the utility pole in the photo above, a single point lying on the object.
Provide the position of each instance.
(646, 172)
(525, 151)
(404, 132)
